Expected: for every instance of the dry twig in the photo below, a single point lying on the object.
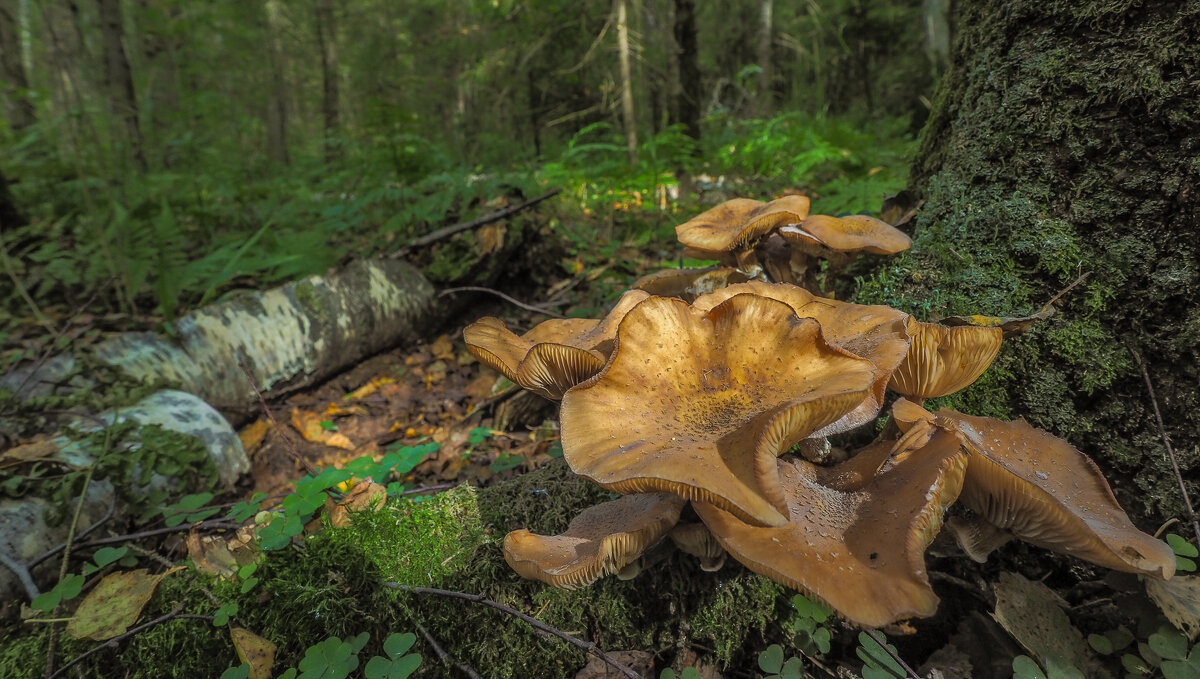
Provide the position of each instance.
(486, 219)
(501, 295)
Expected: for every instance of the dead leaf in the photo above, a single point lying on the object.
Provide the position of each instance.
(335, 410)
(639, 661)
(1179, 599)
(443, 348)
(114, 605)
(211, 555)
(1012, 326)
(253, 650)
(369, 388)
(309, 426)
(491, 237)
(33, 451)
(366, 496)
(252, 436)
(1032, 613)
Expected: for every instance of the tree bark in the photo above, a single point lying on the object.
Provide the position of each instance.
(327, 41)
(1063, 141)
(276, 118)
(12, 69)
(690, 87)
(10, 216)
(765, 11)
(628, 113)
(118, 77)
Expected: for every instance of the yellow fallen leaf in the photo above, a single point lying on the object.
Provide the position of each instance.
(442, 348)
(114, 605)
(309, 426)
(253, 650)
(369, 388)
(1179, 599)
(252, 437)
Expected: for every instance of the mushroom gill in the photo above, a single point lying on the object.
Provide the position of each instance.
(943, 360)
(556, 354)
(1045, 491)
(600, 541)
(861, 551)
(701, 402)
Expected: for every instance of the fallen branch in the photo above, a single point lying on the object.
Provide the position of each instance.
(501, 295)
(216, 524)
(533, 622)
(456, 228)
(445, 657)
(1162, 431)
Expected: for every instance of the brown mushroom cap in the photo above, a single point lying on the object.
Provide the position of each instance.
(876, 333)
(1045, 491)
(944, 360)
(696, 539)
(555, 355)
(849, 234)
(906, 414)
(862, 552)
(737, 223)
(687, 284)
(600, 541)
(700, 403)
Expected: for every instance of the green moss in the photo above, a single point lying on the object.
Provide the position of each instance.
(746, 605)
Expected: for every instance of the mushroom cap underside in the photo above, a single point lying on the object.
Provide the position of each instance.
(737, 223)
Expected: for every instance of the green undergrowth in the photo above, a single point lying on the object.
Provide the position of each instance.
(336, 585)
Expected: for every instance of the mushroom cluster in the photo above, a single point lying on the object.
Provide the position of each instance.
(723, 399)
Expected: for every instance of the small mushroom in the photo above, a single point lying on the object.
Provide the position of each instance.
(729, 231)
(943, 360)
(862, 551)
(697, 540)
(701, 402)
(876, 333)
(600, 541)
(555, 355)
(1045, 491)
(849, 234)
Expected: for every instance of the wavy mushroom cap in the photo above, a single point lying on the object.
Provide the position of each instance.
(862, 552)
(700, 403)
(848, 234)
(738, 223)
(688, 284)
(599, 541)
(943, 360)
(556, 354)
(906, 413)
(876, 333)
(1045, 491)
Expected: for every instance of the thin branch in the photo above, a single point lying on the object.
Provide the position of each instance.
(429, 489)
(287, 441)
(445, 657)
(112, 643)
(1162, 431)
(216, 524)
(501, 295)
(534, 622)
(486, 219)
(22, 573)
(882, 641)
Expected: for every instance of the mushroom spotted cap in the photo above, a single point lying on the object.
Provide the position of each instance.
(701, 402)
(848, 234)
(943, 360)
(555, 355)
(738, 223)
(600, 541)
(876, 333)
(861, 551)
(1045, 491)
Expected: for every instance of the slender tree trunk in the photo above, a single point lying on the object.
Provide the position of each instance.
(10, 216)
(765, 41)
(158, 53)
(118, 77)
(276, 105)
(1040, 162)
(690, 88)
(327, 40)
(628, 114)
(15, 85)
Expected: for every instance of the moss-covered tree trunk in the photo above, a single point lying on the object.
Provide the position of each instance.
(1066, 140)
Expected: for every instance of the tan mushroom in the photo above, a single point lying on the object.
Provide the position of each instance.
(730, 231)
(876, 333)
(555, 355)
(600, 541)
(862, 551)
(1045, 491)
(976, 537)
(944, 360)
(697, 540)
(700, 403)
(849, 234)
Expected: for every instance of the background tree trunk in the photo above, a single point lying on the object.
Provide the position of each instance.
(276, 118)
(765, 12)
(1064, 141)
(118, 78)
(690, 88)
(18, 107)
(10, 216)
(327, 40)
(628, 113)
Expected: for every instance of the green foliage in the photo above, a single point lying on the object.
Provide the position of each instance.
(1025, 667)
(811, 635)
(68, 588)
(688, 673)
(399, 663)
(877, 662)
(772, 662)
(1185, 552)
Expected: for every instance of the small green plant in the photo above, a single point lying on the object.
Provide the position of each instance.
(1025, 667)
(878, 663)
(1167, 651)
(399, 663)
(1185, 552)
(812, 636)
(107, 555)
(772, 662)
(329, 659)
(189, 509)
(68, 588)
(688, 673)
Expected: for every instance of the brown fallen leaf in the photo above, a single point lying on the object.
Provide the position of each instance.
(365, 496)
(309, 426)
(43, 449)
(639, 661)
(1179, 599)
(114, 605)
(253, 650)
(491, 238)
(252, 437)
(1033, 614)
